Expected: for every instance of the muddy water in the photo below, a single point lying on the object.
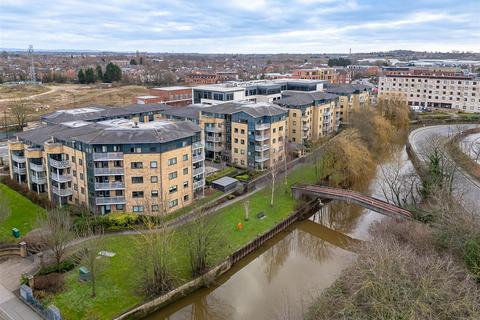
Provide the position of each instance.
(280, 279)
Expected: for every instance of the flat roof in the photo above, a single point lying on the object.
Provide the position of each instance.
(259, 109)
(225, 181)
(172, 88)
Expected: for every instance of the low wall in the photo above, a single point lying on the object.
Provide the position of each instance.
(14, 250)
(197, 283)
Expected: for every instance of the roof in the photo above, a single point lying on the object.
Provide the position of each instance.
(98, 112)
(191, 111)
(172, 88)
(225, 181)
(255, 110)
(295, 98)
(346, 88)
(120, 131)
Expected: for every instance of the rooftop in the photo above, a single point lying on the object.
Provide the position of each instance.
(295, 98)
(172, 88)
(253, 109)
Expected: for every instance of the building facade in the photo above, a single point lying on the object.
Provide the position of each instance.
(177, 96)
(112, 165)
(326, 74)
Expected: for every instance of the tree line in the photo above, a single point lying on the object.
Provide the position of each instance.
(112, 73)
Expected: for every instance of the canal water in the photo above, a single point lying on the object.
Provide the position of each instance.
(282, 278)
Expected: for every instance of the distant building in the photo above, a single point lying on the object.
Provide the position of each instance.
(177, 96)
(432, 88)
(327, 74)
(202, 78)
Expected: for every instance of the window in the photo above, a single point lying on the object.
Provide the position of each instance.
(80, 162)
(172, 175)
(73, 159)
(155, 207)
(154, 193)
(119, 207)
(153, 164)
(81, 176)
(235, 140)
(137, 179)
(172, 161)
(136, 149)
(185, 171)
(138, 208)
(137, 194)
(186, 197)
(75, 187)
(242, 141)
(235, 150)
(82, 190)
(153, 179)
(74, 173)
(242, 131)
(235, 130)
(173, 189)
(185, 157)
(173, 203)
(185, 184)
(136, 165)
(242, 151)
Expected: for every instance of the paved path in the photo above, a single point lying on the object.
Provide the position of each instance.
(11, 308)
(466, 186)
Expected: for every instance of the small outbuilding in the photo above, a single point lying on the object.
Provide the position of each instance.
(225, 184)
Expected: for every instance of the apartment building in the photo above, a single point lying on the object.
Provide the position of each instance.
(350, 97)
(112, 165)
(326, 74)
(433, 89)
(177, 96)
(245, 134)
(311, 115)
(267, 91)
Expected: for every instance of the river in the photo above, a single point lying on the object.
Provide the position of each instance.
(281, 279)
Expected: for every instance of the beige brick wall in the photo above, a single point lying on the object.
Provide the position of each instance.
(239, 158)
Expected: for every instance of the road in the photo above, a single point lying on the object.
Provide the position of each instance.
(471, 145)
(465, 185)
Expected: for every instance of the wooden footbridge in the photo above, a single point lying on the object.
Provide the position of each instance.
(349, 196)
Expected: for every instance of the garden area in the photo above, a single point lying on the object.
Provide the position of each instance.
(16, 212)
(121, 275)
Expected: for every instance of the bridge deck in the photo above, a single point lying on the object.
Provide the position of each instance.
(372, 203)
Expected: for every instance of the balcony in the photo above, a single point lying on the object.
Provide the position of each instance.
(106, 156)
(262, 158)
(62, 192)
(262, 137)
(198, 184)
(198, 158)
(214, 148)
(115, 185)
(38, 180)
(18, 159)
(262, 126)
(60, 177)
(305, 128)
(18, 170)
(213, 129)
(198, 171)
(109, 200)
(108, 171)
(59, 164)
(213, 139)
(197, 145)
(262, 148)
(37, 167)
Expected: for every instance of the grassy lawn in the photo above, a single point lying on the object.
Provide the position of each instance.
(23, 214)
(221, 173)
(117, 289)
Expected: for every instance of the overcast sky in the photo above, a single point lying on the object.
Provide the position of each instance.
(242, 26)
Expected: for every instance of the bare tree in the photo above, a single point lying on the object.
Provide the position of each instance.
(20, 113)
(246, 207)
(273, 170)
(203, 237)
(89, 253)
(57, 232)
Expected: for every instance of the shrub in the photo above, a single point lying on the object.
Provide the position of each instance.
(230, 197)
(472, 256)
(39, 199)
(65, 266)
(52, 282)
(243, 177)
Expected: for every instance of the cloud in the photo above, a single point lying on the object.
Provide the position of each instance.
(241, 26)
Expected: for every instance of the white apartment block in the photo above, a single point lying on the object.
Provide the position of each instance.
(451, 92)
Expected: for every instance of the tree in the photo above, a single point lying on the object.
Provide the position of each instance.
(99, 72)
(81, 76)
(133, 62)
(112, 73)
(20, 112)
(203, 237)
(89, 76)
(57, 232)
(339, 62)
(141, 60)
(395, 109)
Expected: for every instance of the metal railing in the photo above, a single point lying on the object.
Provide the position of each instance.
(108, 171)
(197, 145)
(109, 185)
(105, 156)
(62, 192)
(198, 158)
(38, 180)
(213, 139)
(37, 167)
(60, 177)
(198, 171)
(198, 184)
(305, 128)
(60, 164)
(262, 126)
(20, 170)
(211, 147)
(262, 158)
(213, 129)
(18, 159)
(262, 137)
(109, 200)
(261, 148)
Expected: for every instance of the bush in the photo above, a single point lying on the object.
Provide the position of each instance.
(52, 282)
(472, 256)
(65, 266)
(242, 177)
(230, 197)
(39, 199)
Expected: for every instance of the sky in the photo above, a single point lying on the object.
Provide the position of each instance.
(242, 26)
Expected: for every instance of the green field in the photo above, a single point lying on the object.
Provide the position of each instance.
(23, 214)
(117, 286)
